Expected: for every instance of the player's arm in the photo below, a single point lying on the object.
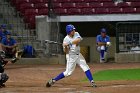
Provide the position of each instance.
(7, 46)
(66, 48)
(14, 44)
(77, 40)
(101, 43)
(108, 43)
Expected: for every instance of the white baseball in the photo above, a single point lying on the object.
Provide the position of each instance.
(108, 43)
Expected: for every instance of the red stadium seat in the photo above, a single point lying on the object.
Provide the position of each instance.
(20, 1)
(24, 6)
(32, 23)
(91, 1)
(135, 4)
(68, 5)
(27, 17)
(128, 10)
(73, 11)
(60, 11)
(82, 5)
(132, 0)
(30, 20)
(57, 5)
(31, 12)
(43, 11)
(76, 1)
(17, 3)
(36, 1)
(87, 11)
(45, 1)
(109, 4)
(13, 2)
(115, 10)
(101, 11)
(105, 0)
(124, 4)
(60, 1)
(138, 10)
(40, 5)
(95, 5)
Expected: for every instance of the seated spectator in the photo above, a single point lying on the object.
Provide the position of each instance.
(9, 45)
(3, 33)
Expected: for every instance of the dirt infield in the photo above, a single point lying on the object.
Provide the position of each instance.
(32, 79)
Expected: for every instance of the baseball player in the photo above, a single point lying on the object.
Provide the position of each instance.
(9, 45)
(103, 42)
(73, 56)
(3, 76)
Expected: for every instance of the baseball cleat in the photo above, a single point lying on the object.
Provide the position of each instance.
(2, 85)
(102, 61)
(14, 59)
(50, 83)
(93, 84)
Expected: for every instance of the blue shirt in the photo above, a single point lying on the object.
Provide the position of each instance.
(3, 34)
(99, 38)
(11, 41)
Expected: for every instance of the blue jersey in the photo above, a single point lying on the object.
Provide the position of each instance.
(3, 34)
(73, 48)
(9, 42)
(99, 38)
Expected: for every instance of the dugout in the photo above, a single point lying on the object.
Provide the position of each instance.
(89, 27)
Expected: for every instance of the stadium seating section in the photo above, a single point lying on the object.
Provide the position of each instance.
(31, 8)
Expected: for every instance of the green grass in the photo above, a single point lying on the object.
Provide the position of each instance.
(121, 74)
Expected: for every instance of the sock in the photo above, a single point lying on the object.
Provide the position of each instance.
(89, 75)
(60, 76)
(102, 54)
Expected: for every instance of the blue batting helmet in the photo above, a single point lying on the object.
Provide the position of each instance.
(69, 28)
(103, 30)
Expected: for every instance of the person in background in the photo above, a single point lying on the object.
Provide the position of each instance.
(9, 45)
(103, 42)
(3, 31)
(3, 62)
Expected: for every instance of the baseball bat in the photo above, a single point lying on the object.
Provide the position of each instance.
(52, 42)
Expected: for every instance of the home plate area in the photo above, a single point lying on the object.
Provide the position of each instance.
(33, 79)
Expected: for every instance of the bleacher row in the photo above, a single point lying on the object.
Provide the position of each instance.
(30, 8)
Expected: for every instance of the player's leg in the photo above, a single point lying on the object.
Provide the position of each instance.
(3, 78)
(101, 50)
(69, 69)
(82, 63)
(105, 54)
(1, 48)
(102, 54)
